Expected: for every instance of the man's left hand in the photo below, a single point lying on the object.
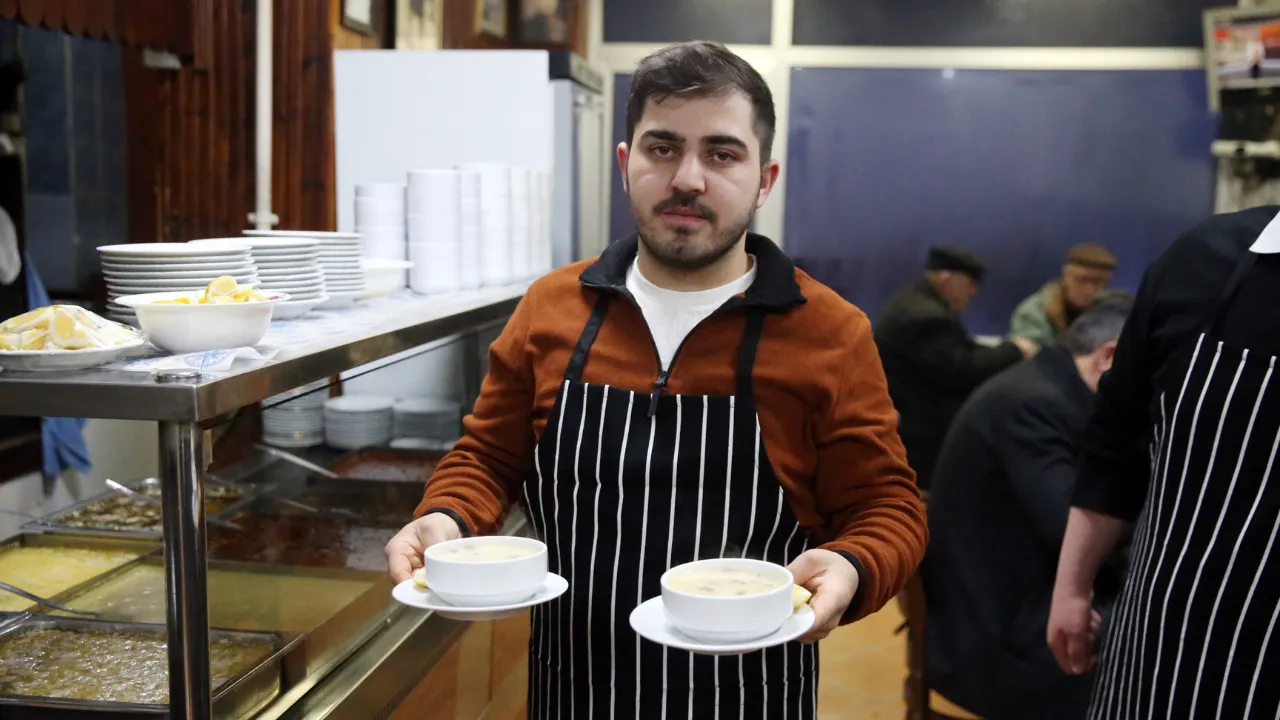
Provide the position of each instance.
(833, 582)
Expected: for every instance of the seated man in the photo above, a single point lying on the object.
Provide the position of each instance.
(997, 513)
(1045, 315)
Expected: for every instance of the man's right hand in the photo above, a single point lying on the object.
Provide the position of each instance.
(1073, 631)
(404, 552)
(1028, 347)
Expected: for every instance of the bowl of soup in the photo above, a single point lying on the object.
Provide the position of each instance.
(727, 600)
(489, 571)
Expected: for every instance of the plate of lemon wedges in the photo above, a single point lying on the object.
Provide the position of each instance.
(63, 337)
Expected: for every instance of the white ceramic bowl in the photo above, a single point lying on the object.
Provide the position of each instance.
(486, 584)
(721, 620)
(384, 277)
(196, 328)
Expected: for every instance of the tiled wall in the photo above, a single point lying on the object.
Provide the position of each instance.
(75, 134)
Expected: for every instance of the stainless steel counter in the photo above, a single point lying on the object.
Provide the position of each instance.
(185, 403)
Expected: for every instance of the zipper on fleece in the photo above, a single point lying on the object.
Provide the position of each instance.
(664, 374)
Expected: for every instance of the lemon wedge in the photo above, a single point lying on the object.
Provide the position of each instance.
(420, 577)
(223, 286)
(799, 596)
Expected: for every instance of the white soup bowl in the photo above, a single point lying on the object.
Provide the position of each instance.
(726, 620)
(467, 583)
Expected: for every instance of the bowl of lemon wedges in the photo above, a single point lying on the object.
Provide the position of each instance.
(223, 316)
(63, 337)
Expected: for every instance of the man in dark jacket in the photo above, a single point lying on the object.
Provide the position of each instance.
(998, 509)
(929, 359)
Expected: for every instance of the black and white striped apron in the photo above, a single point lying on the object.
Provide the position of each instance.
(1193, 632)
(628, 485)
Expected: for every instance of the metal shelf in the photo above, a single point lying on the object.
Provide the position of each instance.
(130, 395)
(182, 406)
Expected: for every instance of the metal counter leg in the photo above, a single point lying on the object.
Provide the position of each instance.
(187, 598)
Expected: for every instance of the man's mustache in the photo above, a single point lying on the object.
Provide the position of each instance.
(685, 201)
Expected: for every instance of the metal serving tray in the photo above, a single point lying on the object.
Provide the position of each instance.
(142, 547)
(335, 636)
(52, 522)
(242, 696)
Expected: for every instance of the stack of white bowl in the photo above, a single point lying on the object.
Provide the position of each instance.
(143, 268)
(285, 265)
(339, 258)
(540, 243)
(435, 230)
(299, 421)
(427, 418)
(493, 193)
(352, 422)
(470, 236)
(522, 227)
(380, 219)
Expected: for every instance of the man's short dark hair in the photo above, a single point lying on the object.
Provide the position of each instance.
(701, 69)
(1097, 326)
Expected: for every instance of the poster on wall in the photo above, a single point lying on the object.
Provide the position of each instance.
(419, 24)
(1242, 49)
(545, 22)
(491, 18)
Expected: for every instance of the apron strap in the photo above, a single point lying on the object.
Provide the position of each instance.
(1229, 292)
(588, 338)
(747, 354)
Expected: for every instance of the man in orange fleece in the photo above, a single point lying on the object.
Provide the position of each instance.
(687, 395)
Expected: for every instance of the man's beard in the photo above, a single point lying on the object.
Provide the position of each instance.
(683, 252)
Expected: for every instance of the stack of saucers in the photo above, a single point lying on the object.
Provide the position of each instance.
(427, 418)
(144, 268)
(339, 257)
(298, 421)
(352, 422)
(286, 265)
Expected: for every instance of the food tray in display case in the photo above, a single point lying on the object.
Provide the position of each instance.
(332, 608)
(114, 514)
(100, 660)
(51, 565)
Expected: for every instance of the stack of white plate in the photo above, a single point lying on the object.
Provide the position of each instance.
(380, 220)
(285, 265)
(427, 418)
(339, 258)
(299, 421)
(352, 422)
(143, 268)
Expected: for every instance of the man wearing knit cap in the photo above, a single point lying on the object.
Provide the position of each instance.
(1045, 315)
(929, 359)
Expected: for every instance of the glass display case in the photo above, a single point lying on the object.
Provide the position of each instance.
(261, 592)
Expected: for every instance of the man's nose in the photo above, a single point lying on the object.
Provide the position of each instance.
(690, 176)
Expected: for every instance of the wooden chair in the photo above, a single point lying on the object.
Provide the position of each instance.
(922, 702)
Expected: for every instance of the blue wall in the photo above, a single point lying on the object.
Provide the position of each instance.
(1017, 166)
(1040, 23)
(655, 21)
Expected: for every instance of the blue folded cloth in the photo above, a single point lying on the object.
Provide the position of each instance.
(62, 438)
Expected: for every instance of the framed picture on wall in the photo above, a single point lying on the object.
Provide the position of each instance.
(546, 22)
(357, 15)
(491, 18)
(419, 24)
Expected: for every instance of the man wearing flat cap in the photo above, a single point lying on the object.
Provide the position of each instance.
(929, 359)
(1045, 315)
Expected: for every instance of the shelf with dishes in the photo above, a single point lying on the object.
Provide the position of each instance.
(296, 580)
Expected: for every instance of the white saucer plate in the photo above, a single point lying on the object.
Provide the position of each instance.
(650, 622)
(410, 594)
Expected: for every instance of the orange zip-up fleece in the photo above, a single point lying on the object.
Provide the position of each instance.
(826, 419)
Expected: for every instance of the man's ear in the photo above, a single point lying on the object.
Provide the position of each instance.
(624, 156)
